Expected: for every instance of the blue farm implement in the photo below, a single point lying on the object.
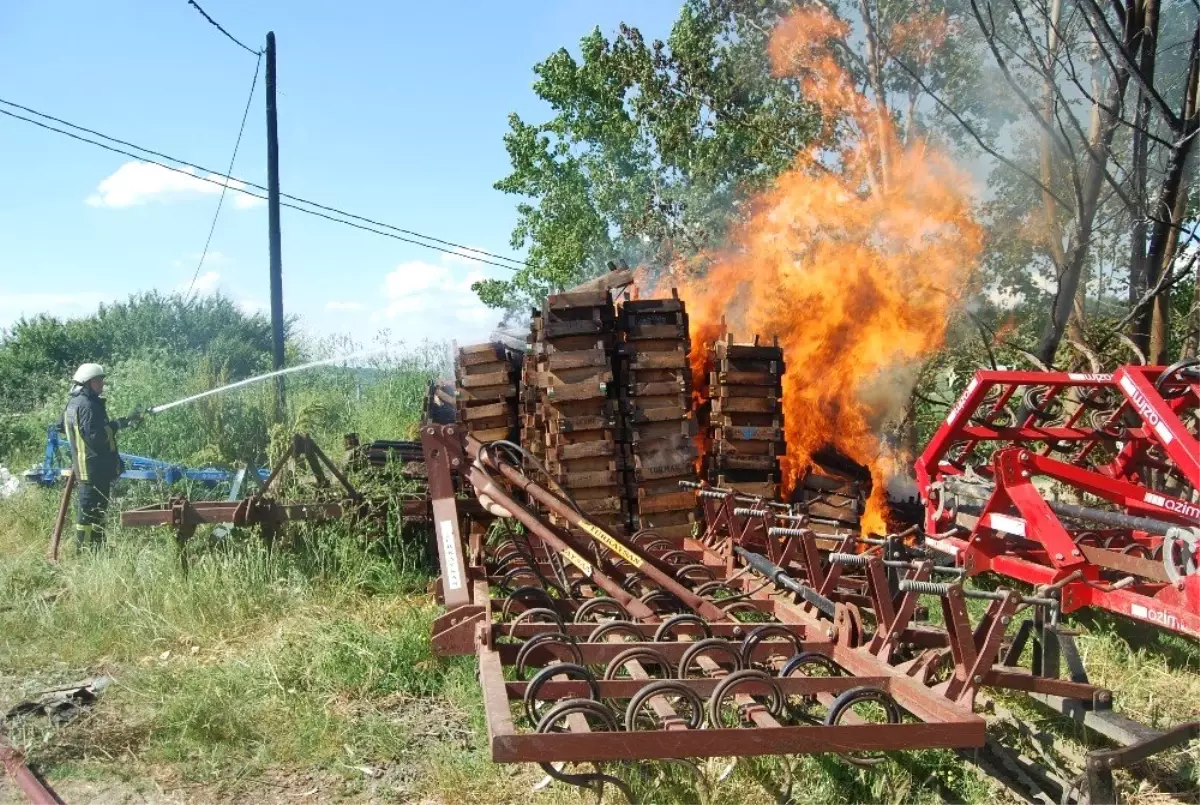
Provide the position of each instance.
(56, 462)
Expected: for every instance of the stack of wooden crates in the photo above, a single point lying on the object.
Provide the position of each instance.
(586, 451)
(533, 428)
(746, 439)
(655, 385)
(486, 378)
(604, 402)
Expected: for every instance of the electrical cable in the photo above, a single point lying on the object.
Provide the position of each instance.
(214, 180)
(217, 25)
(225, 187)
(458, 248)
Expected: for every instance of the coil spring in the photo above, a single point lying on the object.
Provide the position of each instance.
(925, 587)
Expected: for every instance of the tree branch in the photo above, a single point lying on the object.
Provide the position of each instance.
(1169, 279)
(992, 37)
(1130, 64)
(979, 138)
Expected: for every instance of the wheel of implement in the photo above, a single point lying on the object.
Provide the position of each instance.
(1174, 374)
(661, 601)
(600, 718)
(1179, 553)
(666, 629)
(745, 677)
(843, 705)
(592, 609)
(569, 670)
(511, 556)
(676, 557)
(644, 655)
(526, 596)
(710, 587)
(576, 586)
(1035, 401)
(545, 640)
(741, 607)
(805, 664)
(710, 645)
(627, 628)
(632, 582)
(647, 535)
(1137, 550)
(658, 545)
(536, 615)
(763, 632)
(506, 583)
(681, 694)
(694, 573)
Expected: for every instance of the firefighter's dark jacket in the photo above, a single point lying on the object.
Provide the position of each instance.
(92, 434)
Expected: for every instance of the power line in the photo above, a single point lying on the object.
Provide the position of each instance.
(217, 25)
(225, 187)
(297, 199)
(428, 242)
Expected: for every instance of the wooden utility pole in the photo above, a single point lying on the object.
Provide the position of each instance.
(273, 224)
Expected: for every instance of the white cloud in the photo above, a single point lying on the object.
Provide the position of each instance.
(435, 301)
(344, 306)
(205, 283)
(136, 183)
(251, 306)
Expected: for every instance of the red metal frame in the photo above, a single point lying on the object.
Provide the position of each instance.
(1122, 438)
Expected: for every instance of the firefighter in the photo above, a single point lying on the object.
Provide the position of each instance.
(94, 457)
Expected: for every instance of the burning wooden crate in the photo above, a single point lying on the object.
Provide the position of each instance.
(585, 449)
(486, 390)
(746, 417)
(833, 490)
(656, 406)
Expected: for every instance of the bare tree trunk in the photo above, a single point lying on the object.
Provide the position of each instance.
(1100, 135)
(1051, 210)
(1140, 278)
(875, 80)
(1169, 208)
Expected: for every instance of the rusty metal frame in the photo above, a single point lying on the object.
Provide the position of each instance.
(32, 786)
(526, 612)
(264, 511)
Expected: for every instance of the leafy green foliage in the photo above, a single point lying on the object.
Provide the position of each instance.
(652, 146)
(35, 354)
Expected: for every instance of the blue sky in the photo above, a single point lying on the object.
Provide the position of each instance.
(390, 110)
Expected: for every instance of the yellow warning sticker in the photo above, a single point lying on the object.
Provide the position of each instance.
(577, 560)
(612, 544)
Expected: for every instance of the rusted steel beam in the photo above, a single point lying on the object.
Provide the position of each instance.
(60, 519)
(560, 542)
(618, 545)
(37, 791)
(508, 747)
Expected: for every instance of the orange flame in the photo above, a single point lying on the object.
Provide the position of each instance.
(857, 277)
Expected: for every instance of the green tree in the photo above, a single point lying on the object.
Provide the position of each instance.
(37, 353)
(652, 147)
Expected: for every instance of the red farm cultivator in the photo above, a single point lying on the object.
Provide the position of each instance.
(774, 630)
(1080, 484)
